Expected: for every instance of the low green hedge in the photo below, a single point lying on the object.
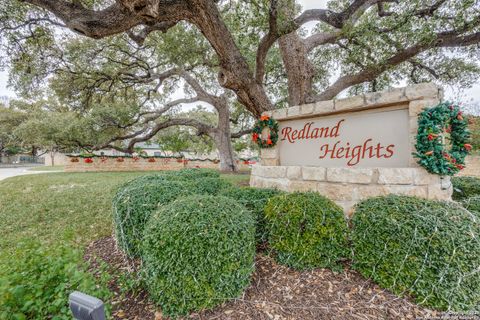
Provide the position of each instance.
(137, 199)
(150, 178)
(37, 280)
(198, 252)
(307, 230)
(255, 201)
(472, 204)
(426, 249)
(193, 174)
(208, 185)
(197, 173)
(133, 205)
(465, 187)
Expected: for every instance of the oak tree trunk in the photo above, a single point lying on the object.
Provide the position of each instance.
(52, 157)
(223, 142)
(234, 70)
(299, 69)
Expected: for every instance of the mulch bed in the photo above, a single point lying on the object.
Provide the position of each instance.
(276, 292)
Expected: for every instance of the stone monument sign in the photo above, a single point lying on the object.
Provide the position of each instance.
(351, 149)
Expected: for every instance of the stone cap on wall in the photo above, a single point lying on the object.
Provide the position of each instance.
(394, 96)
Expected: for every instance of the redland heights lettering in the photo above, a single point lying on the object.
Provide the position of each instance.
(338, 150)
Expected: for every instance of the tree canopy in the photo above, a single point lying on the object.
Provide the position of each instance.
(132, 93)
(360, 45)
(10, 143)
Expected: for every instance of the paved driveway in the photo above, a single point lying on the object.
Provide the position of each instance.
(12, 172)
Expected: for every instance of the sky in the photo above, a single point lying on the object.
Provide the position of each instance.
(467, 96)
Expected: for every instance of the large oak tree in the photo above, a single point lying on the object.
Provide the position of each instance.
(132, 93)
(370, 42)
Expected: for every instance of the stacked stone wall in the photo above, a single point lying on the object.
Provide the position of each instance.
(141, 164)
(347, 186)
(472, 167)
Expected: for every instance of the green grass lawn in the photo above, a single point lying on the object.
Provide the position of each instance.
(58, 207)
(46, 221)
(242, 178)
(47, 168)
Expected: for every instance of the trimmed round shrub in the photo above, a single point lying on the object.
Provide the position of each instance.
(133, 205)
(212, 186)
(197, 173)
(150, 178)
(429, 250)
(307, 230)
(197, 253)
(255, 201)
(465, 187)
(136, 199)
(472, 204)
(184, 175)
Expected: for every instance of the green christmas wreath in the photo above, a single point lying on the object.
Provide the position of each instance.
(442, 139)
(272, 138)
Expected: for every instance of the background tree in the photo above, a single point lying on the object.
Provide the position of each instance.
(10, 118)
(140, 82)
(47, 125)
(119, 71)
(182, 140)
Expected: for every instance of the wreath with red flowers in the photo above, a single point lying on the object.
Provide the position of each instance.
(442, 139)
(272, 137)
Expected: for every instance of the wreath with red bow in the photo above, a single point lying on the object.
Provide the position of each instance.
(271, 139)
(442, 139)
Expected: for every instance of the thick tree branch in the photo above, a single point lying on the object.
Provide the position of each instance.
(204, 95)
(146, 135)
(201, 127)
(334, 19)
(321, 38)
(119, 17)
(442, 39)
(220, 103)
(267, 42)
(140, 37)
(95, 24)
(427, 11)
(241, 133)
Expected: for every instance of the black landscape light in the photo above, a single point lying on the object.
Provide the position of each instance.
(85, 307)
